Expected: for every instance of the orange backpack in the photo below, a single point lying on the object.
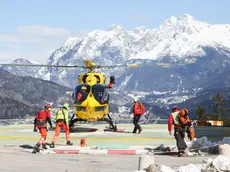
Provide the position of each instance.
(184, 120)
(183, 117)
(139, 108)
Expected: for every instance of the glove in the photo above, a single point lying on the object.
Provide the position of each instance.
(35, 129)
(112, 79)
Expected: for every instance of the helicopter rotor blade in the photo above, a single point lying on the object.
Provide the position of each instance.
(133, 65)
(88, 65)
(114, 66)
(41, 65)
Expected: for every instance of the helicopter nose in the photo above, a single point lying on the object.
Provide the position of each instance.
(90, 106)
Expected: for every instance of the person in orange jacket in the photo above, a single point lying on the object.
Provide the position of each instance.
(40, 123)
(176, 118)
(138, 110)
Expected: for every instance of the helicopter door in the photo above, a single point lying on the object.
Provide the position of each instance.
(100, 93)
(81, 92)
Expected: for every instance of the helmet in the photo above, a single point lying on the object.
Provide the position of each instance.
(66, 106)
(175, 108)
(47, 106)
(135, 100)
(83, 88)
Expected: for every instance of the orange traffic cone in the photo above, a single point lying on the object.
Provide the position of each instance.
(83, 143)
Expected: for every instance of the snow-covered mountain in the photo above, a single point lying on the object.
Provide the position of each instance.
(24, 71)
(180, 40)
(198, 54)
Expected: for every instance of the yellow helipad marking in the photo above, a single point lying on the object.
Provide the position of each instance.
(90, 138)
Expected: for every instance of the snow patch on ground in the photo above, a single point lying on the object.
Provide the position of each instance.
(218, 164)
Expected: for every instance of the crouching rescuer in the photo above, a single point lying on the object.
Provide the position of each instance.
(61, 118)
(182, 124)
(40, 123)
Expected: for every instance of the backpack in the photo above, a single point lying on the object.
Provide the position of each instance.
(139, 108)
(183, 117)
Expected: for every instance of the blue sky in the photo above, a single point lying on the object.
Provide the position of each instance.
(23, 22)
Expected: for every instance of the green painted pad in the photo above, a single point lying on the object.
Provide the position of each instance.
(113, 146)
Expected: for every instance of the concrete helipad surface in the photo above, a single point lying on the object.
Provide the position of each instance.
(16, 144)
(152, 135)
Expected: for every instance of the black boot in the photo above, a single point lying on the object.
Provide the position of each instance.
(52, 145)
(134, 130)
(44, 146)
(36, 148)
(69, 143)
(180, 153)
(139, 130)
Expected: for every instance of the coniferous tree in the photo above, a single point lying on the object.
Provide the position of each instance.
(201, 113)
(219, 106)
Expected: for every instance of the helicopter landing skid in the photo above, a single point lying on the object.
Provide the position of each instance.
(112, 127)
(73, 121)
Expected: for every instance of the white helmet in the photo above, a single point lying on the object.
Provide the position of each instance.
(135, 99)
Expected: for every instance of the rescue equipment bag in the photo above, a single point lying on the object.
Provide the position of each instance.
(183, 117)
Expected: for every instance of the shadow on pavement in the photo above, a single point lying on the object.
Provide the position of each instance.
(26, 146)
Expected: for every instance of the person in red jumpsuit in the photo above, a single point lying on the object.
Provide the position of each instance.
(40, 123)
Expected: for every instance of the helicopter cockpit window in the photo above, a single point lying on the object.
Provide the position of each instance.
(81, 93)
(100, 93)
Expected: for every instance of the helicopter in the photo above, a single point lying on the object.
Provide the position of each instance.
(94, 105)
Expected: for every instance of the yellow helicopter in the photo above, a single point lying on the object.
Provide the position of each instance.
(94, 102)
(90, 96)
